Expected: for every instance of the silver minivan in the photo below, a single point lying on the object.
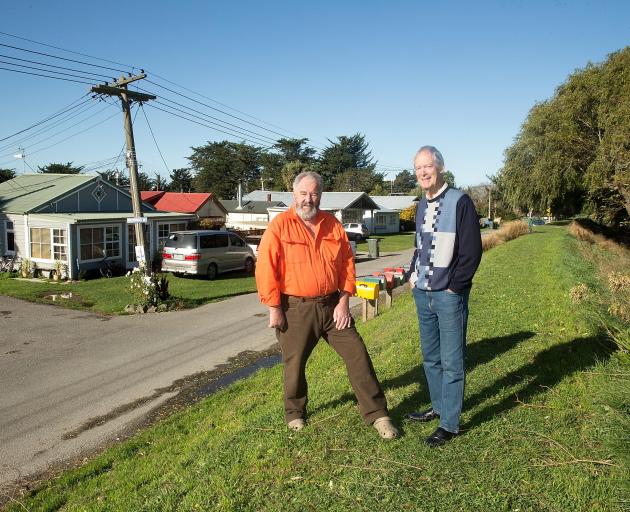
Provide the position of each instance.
(206, 252)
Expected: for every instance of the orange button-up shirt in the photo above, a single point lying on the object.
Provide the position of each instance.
(293, 261)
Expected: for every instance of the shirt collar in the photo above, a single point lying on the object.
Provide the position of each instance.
(439, 192)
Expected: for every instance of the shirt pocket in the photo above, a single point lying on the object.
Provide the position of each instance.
(331, 248)
(295, 251)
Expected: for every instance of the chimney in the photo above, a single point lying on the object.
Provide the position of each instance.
(269, 198)
(239, 196)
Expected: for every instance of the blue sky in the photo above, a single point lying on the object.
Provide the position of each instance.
(459, 75)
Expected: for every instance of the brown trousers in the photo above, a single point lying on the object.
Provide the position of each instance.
(307, 321)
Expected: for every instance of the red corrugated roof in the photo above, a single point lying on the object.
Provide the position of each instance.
(182, 202)
(151, 196)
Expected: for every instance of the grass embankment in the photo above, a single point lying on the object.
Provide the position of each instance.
(110, 296)
(545, 419)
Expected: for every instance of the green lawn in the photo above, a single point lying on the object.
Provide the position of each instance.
(110, 296)
(390, 242)
(544, 428)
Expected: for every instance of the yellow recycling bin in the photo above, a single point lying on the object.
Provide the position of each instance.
(367, 290)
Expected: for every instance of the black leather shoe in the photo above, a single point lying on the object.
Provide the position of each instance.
(439, 437)
(427, 415)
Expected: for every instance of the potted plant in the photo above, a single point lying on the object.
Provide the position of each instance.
(58, 270)
(26, 268)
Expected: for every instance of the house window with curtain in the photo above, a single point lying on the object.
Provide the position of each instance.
(48, 243)
(40, 243)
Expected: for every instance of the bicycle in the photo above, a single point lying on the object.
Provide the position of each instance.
(106, 267)
(9, 264)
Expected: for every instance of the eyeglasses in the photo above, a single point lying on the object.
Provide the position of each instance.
(426, 167)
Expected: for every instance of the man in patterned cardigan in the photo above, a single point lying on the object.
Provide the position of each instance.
(448, 252)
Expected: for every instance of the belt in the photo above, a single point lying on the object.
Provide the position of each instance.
(322, 299)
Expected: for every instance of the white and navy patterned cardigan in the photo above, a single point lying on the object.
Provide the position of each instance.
(448, 242)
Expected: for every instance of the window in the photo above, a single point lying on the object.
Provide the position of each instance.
(9, 237)
(98, 242)
(214, 241)
(164, 230)
(236, 241)
(40, 243)
(379, 220)
(48, 243)
(59, 244)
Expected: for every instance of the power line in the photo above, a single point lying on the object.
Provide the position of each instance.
(219, 103)
(218, 110)
(24, 66)
(154, 140)
(60, 131)
(236, 128)
(67, 51)
(52, 116)
(46, 76)
(62, 58)
(51, 66)
(74, 134)
(208, 126)
(46, 129)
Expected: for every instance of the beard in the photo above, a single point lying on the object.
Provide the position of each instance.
(306, 211)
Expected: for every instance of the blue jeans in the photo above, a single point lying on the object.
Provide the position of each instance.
(443, 318)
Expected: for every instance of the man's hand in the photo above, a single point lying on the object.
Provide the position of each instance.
(341, 314)
(413, 279)
(277, 319)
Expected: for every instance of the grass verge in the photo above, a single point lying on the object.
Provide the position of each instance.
(544, 425)
(110, 296)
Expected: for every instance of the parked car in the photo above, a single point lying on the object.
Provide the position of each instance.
(206, 252)
(356, 231)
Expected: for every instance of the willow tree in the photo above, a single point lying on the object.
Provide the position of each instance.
(572, 153)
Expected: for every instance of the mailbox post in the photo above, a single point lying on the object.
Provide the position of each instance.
(369, 292)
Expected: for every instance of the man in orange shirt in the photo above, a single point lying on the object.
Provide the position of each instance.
(305, 275)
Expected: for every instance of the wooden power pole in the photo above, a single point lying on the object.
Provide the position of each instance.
(119, 88)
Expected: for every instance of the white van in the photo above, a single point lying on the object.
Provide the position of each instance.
(206, 252)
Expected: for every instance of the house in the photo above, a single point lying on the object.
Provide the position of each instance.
(203, 204)
(249, 215)
(77, 219)
(387, 219)
(346, 206)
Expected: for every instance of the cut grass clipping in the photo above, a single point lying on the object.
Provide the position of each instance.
(545, 418)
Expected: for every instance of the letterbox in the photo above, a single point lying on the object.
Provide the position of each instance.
(374, 279)
(367, 290)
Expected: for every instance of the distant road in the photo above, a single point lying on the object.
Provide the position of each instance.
(72, 381)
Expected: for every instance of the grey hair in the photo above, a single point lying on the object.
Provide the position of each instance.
(438, 159)
(312, 175)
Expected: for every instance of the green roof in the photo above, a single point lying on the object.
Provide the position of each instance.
(26, 192)
(77, 218)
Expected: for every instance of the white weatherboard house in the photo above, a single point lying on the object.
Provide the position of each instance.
(346, 206)
(77, 219)
(248, 215)
(387, 219)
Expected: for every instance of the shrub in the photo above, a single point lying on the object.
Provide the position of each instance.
(491, 240)
(511, 230)
(148, 290)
